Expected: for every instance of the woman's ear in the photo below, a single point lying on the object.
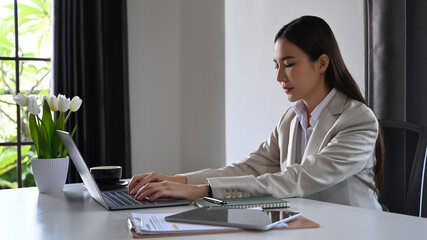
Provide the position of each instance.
(323, 63)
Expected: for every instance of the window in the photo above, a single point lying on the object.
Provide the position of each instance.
(25, 66)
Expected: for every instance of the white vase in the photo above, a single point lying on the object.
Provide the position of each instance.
(50, 174)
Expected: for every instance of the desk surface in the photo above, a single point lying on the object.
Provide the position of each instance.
(73, 214)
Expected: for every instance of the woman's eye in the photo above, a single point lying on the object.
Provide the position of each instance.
(289, 64)
(276, 67)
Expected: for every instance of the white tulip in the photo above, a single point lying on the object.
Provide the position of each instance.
(31, 98)
(53, 103)
(33, 107)
(63, 103)
(44, 98)
(20, 99)
(75, 104)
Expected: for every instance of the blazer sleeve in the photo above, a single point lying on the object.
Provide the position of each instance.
(345, 150)
(265, 160)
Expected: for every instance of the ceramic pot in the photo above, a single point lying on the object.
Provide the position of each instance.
(50, 174)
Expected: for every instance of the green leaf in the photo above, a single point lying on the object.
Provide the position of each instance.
(34, 133)
(64, 153)
(47, 123)
(8, 157)
(43, 137)
(29, 54)
(8, 168)
(42, 144)
(8, 184)
(9, 6)
(57, 143)
(45, 143)
(25, 149)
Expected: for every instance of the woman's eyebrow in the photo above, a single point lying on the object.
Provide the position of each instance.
(287, 57)
(284, 58)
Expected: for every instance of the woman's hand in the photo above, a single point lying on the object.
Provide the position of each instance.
(141, 180)
(154, 185)
(153, 190)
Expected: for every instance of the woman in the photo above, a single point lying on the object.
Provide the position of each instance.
(326, 147)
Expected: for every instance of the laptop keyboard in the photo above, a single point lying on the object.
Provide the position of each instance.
(122, 199)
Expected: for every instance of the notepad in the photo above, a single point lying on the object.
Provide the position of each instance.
(248, 202)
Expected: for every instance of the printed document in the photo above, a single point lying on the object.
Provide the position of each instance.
(156, 224)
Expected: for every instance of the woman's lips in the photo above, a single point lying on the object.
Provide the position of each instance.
(287, 89)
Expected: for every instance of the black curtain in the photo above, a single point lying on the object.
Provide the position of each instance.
(397, 58)
(397, 72)
(90, 61)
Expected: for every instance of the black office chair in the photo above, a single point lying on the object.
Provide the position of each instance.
(405, 162)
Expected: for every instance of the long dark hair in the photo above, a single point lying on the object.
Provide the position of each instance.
(314, 36)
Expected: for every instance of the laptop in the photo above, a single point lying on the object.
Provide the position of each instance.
(117, 200)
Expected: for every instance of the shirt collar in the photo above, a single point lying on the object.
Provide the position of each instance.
(301, 110)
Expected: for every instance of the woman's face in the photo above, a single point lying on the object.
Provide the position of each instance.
(301, 78)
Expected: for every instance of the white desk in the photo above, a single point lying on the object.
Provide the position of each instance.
(73, 214)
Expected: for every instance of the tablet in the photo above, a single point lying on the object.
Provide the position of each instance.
(256, 219)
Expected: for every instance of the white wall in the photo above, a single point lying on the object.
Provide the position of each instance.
(176, 80)
(154, 57)
(202, 84)
(254, 100)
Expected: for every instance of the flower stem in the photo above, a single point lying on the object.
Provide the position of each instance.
(68, 116)
(39, 121)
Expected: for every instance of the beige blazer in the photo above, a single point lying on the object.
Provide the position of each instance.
(337, 165)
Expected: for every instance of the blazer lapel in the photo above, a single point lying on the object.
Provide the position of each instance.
(292, 141)
(325, 122)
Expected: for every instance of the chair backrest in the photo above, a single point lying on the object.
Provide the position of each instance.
(405, 160)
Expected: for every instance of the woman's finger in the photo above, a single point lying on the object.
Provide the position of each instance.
(141, 180)
(135, 179)
(143, 192)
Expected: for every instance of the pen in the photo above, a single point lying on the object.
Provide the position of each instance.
(214, 200)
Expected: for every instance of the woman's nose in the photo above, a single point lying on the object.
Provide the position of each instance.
(281, 75)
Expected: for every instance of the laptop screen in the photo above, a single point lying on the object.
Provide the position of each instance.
(82, 168)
